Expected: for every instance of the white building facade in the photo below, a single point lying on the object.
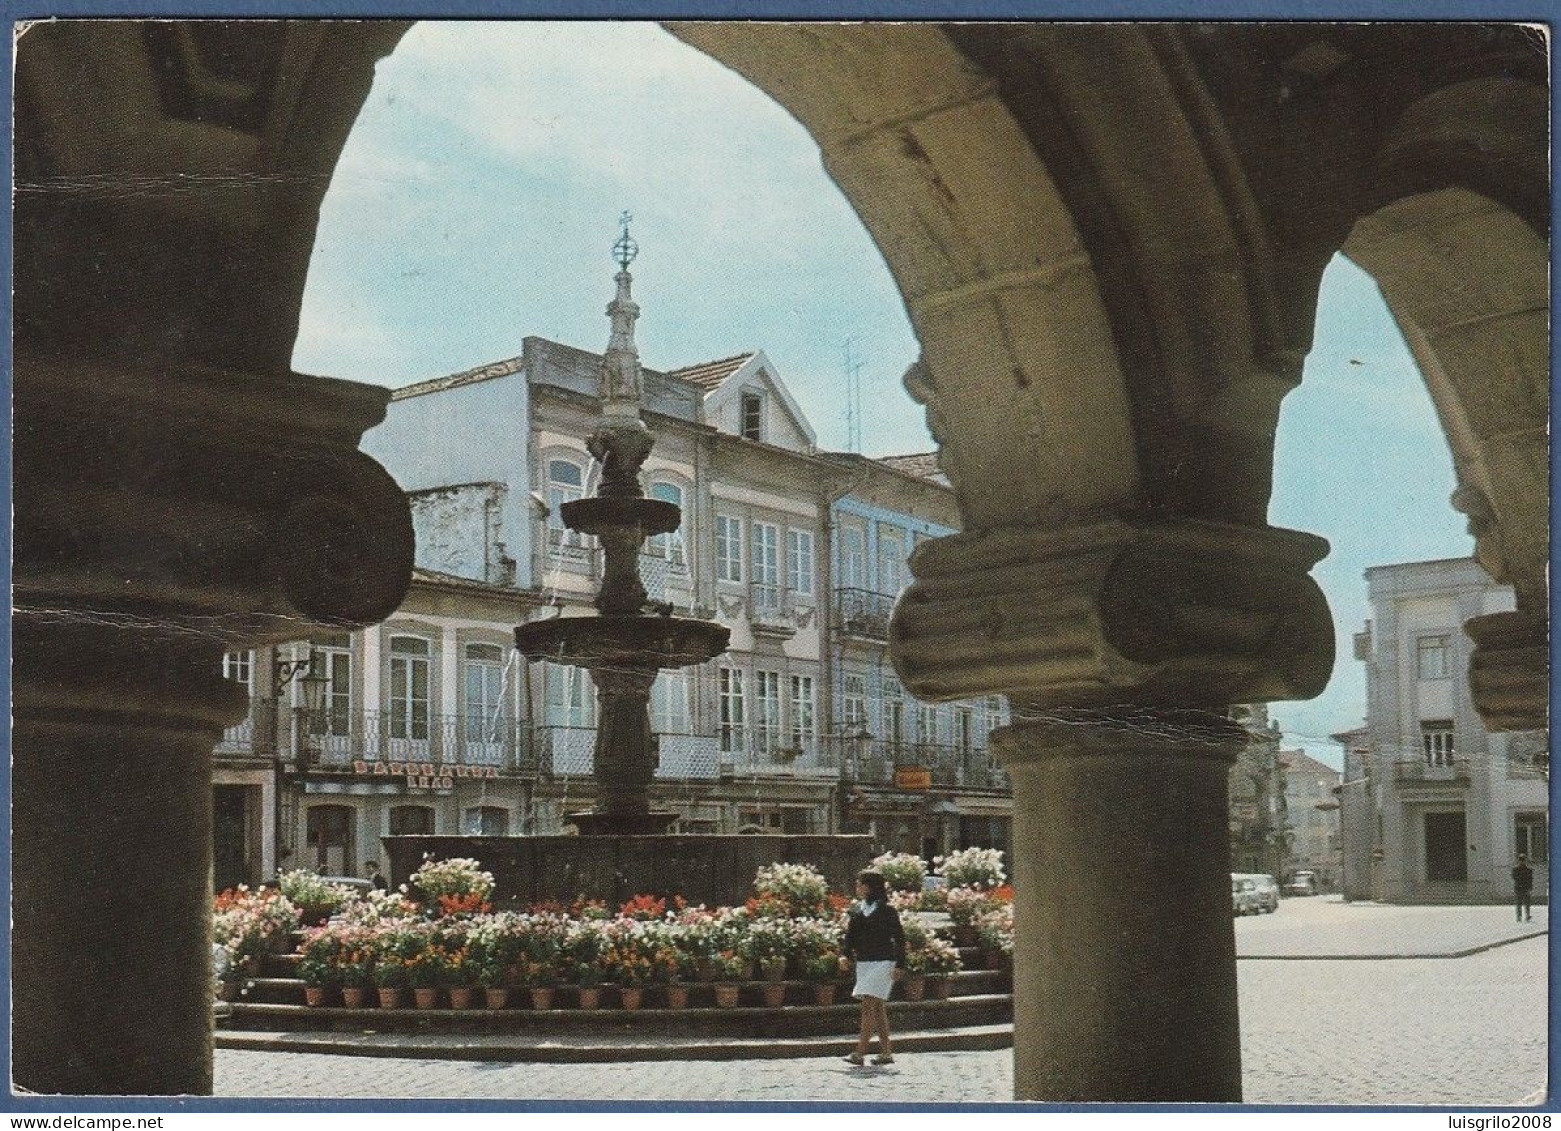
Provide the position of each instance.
(1439, 807)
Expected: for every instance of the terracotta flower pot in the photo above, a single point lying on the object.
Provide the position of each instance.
(774, 970)
(823, 993)
(704, 969)
(541, 997)
(726, 994)
(914, 987)
(774, 994)
(938, 987)
(354, 997)
(390, 997)
(425, 997)
(496, 997)
(677, 997)
(631, 997)
(314, 995)
(461, 997)
(590, 997)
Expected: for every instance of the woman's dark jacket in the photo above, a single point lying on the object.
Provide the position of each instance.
(876, 937)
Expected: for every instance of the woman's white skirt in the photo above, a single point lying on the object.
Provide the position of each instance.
(874, 979)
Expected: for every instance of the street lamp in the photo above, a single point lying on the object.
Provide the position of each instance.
(313, 681)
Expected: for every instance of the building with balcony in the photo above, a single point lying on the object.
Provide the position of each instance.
(1435, 808)
(1259, 829)
(1312, 810)
(922, 778)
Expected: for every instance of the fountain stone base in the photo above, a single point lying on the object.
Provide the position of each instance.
(620, 824)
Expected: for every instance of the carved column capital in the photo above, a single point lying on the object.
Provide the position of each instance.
(1119, 609)
(1509, 674)
(202, 502)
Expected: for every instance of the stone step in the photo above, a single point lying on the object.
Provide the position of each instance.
(697, 1022)
(290, 990)
(584, 1049)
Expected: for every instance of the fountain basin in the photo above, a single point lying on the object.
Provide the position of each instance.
(606, 513)
(643, 642)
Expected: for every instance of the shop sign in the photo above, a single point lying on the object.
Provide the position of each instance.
(424, 775)
(912, 777)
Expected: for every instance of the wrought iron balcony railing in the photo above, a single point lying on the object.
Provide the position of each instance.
(1419, 769)
(571, 751)
(863, 613)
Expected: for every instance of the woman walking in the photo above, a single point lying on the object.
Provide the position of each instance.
(876, 943)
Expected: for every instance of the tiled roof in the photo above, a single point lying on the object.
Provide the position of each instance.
(708, 374)
(486, 372)
(439, 577)
(1302, 762)
(923, 465)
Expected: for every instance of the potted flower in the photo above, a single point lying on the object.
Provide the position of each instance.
(318, 976)
(540, 980)
(731, 969)
(424, 971)
(964, 906)
(913, 986)
(493, 977)
(821, 970)
(355, 970)
(672, 968)
(769, 943)
(315, 899)
(939, 962)
(390, 979)
(995, 934)
(980, 868)
(456, 886)
(790, 891)
(588, 980)
(902, 871)
(458, 977)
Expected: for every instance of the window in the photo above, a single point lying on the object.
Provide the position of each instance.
(853, 706)
(853, 558)
(728, 548)
(733, 712)
(565, 483)
(964, 729)
(669, 546)
(894, 711)
(1531, 837)
(334, 661)
(1431, 654)
(766, 565)
(766, 714)
(409, 688)
(567, 700)
(752, 416)
(240, 668)
(802, 712)
(927, 724)
(411, 820)
(799, 562)
(486, 820)
(669, 703)
(1436, 742)
(484, 692)
(891, 560)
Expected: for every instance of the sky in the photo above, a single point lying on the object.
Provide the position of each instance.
(478, 196)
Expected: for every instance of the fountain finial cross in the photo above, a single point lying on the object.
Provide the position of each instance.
(624, 251)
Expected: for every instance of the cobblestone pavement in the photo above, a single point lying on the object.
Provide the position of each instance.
(1394, 1031)
(1326, 926)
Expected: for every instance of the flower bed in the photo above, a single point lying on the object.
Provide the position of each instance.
(443, 943)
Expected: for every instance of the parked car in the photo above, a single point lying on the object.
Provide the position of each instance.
(1302, 883)
(1253, 893)
(1243, 896)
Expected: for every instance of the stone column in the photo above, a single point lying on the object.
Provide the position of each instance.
(160, 518)
(1125, 949)
(1119, 643)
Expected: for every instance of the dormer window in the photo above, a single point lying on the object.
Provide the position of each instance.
(751, 423)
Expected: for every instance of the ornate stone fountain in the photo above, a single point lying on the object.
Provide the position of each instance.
(629, 641)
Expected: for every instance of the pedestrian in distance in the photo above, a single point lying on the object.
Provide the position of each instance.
(876, 943)
(376, 878)
(1523, 887)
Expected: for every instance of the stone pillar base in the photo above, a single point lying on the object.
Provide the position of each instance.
(1124, 950)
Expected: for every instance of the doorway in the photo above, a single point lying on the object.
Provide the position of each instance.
(1445, 858)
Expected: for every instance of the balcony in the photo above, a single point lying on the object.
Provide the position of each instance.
(873, 762)
(863, 613)
(770, 614)
(803, 760)
(1418, 770)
